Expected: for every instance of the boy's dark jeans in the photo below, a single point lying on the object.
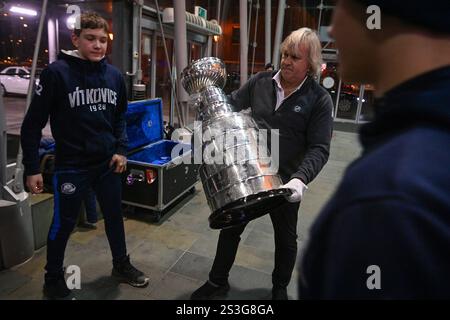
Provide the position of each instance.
(90, 205)
(70, 187)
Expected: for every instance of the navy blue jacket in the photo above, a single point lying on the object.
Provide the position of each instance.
(86, 102)
(392, 209)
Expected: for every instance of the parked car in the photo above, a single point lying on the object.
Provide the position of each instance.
(15, 80)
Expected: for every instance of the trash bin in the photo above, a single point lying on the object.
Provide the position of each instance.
(16, 232)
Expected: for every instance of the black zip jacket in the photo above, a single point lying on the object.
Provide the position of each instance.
(86, 102)
(304, 121)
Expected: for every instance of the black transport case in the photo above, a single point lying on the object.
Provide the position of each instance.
(158, 171)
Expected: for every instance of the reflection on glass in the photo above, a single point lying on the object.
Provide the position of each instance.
(348, 101)
(367, 110)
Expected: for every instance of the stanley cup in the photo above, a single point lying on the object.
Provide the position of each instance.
(239, 182)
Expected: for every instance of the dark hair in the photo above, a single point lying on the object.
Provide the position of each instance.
(90, 20)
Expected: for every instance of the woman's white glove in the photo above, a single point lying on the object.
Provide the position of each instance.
(297, 187)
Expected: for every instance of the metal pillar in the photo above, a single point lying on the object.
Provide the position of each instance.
(153, 68)
(181, 52)
(18, 186)
(338, 96)
(209, 47)
(139, 43)
(52, 40)
(360, 102)
(135, 40)
(122, 43)
(225, 8)
(249, 21)
(278, 33)
(136, 72)
(57, 36)
(216, 44)
(244, 41)
(174, 103)
(321, 7)
(268, 31)
(254, 44)
(3, 140)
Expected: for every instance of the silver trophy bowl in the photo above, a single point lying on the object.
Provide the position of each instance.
(239, 179)
(203, 73)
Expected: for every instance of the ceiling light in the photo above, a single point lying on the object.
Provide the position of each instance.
(26, 11)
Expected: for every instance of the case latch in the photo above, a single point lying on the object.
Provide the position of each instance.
(135, 175)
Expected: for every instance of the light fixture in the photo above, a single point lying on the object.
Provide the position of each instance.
(71, 22)
(28, 12)
(25, 25)
(216, 38)
(111, 36)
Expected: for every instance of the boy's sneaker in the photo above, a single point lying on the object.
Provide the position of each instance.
(125, 272)
(55, 286)
(209, 291)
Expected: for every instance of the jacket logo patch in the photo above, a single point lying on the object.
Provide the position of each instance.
(68, 188)
(297, 108)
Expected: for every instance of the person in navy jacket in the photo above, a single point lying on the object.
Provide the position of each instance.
(86, 100)
(385, 234)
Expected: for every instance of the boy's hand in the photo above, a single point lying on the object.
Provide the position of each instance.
(120, 163)
(35, 183)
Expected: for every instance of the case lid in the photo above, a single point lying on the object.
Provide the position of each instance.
(144, 122)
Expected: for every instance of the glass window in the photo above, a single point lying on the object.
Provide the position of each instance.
(163, 81)
(348, 101)
(196, 52)
(329, 79)
(146, 61)
(11, 71)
